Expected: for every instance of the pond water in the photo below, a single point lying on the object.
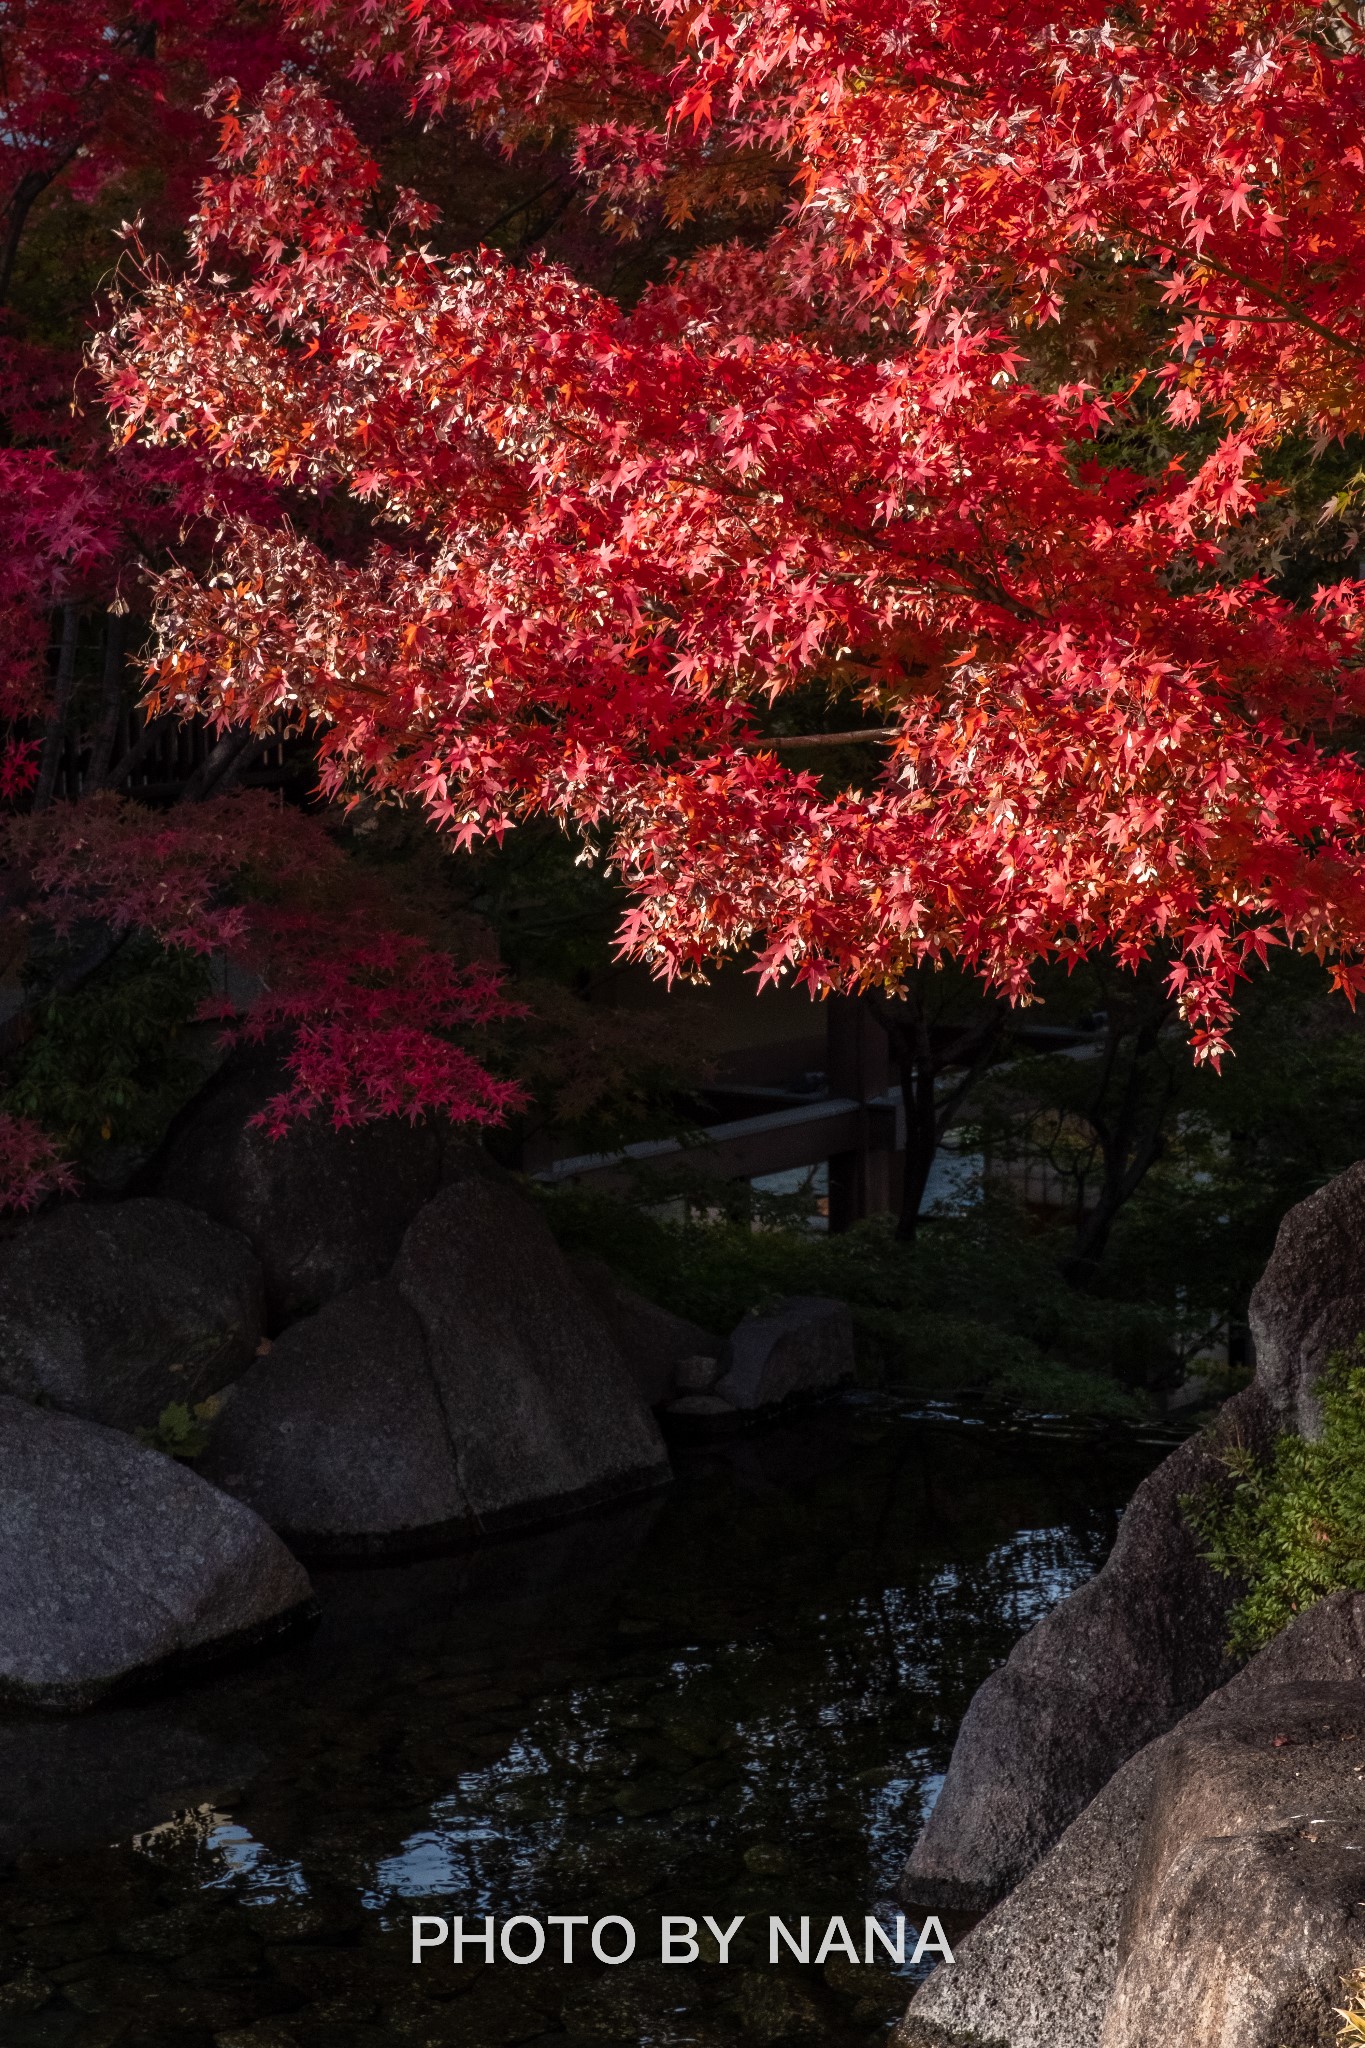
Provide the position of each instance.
(736, 1698)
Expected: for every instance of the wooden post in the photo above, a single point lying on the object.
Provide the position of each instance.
(858, 1064)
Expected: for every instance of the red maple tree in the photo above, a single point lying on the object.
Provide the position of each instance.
(961, 406)
(831, 453)
(102, 105)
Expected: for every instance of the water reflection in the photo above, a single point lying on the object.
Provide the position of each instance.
(737, 1701)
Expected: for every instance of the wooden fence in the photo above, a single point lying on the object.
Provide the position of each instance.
(167, 758)
(856, 1124)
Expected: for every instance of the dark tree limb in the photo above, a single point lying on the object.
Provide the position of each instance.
(1129, 1127)
(54, 732)
(133, 756)
(111, 699)
(222, 764)
(30, 188)
(929, 1112)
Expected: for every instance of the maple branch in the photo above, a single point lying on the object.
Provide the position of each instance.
(133, 755)
(226, 755)
(973, 1051)
(21, 202)
(1295, 314)
(956, 86)
(876, 736)
(524, 205)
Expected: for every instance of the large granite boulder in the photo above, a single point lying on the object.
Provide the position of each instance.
(338, 1438)
(1245, 1913)
(1310, 1300)
(1116, 1663)
(1125, 1656)
(652, 1340)
(1039, 1970)
(803, 1346)
(475, 1390)
(1042, 1969)
(543, 1408)
(324, 1209)
(114, 1310)
(116, 1562)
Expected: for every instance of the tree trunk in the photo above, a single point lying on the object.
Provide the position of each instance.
(928, 1115)
(128, 760)
(1093, 1230)
(912, 1045)
(54, 733)
(221, 765)
(111, 699)
(30, 188)
(1131, 1142)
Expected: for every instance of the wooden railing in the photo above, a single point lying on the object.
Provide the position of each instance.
(749, 1146)
(856, 1127)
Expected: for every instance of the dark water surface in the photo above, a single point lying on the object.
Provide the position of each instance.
(736, 1698)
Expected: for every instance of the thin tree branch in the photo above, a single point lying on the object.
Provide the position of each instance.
(524, 205)
(877, 736)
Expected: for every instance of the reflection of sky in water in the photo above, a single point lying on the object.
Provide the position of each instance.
(250, 1868)
(438, 1862)
(228, 1855)
(809, 1708)
(471, 1837)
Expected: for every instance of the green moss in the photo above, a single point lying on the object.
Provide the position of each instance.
(1292, 1528)
(182, 1431)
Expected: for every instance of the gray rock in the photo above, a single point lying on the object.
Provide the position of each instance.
(1038, 1971)
(1041, 1969)
(544, 1412)
(116, 1562)
(702, 1404)
(474, 1390)
(1124, 1657)
(652, 1340)
(1245, 1910)
(1118, 1662)
(337, 1436)
(324, 1209)
(804, 1346)
(696, 1374)
(1310, 1300)
(114, 1310)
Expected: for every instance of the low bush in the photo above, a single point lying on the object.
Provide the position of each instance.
(978, 1305)
(1291, 1527)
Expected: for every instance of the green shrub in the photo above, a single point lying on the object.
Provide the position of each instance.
(1291, 1527)
(977, 1306)
(109, 1063)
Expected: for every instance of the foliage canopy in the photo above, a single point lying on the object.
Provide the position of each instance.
(988, 377)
